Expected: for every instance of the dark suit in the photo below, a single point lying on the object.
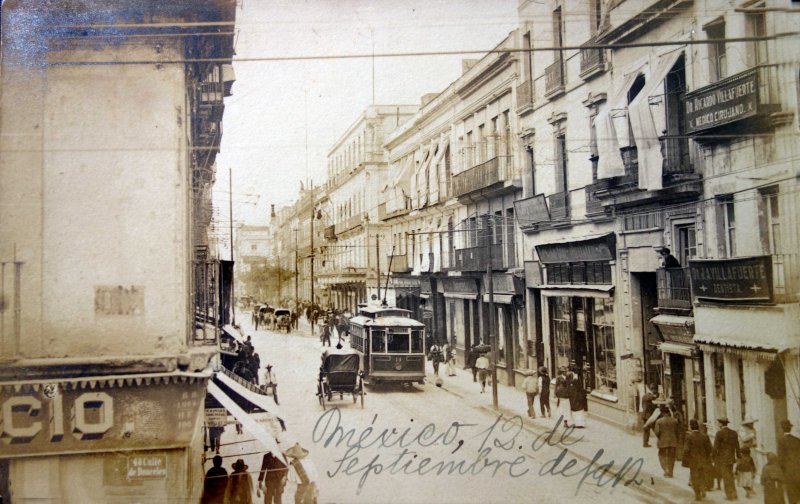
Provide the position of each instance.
(726, 450)
(273, 474)
(666, 429)
(697, 457)
(789, 460)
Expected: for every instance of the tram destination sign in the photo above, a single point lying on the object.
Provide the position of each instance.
(747, 279)
(724, 102)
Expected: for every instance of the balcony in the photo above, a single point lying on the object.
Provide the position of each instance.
(554, 79)
(673, 287)
(594, 205)
(449, 259)
(751, 98)
(476, 258)
(348, 224)
(426, 264)
(330, 233)
(677, 163)
(525, 97)
(592, 59)
(482, 176)
(398, 264)
(559, 206)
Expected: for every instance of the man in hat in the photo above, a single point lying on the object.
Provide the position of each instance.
(240, 485)
(669, 260)
(697, 457)
(789, 460)
(647, 408)
(666, 428)
(726, 450)
(747, 434)
(531, 386)
(271, 382)
(272, 478)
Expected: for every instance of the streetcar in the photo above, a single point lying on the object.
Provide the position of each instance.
(391, 343)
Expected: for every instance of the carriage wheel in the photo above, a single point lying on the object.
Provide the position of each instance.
(320, 395)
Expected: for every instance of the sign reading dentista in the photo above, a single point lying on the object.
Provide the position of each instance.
(113, 415)
(740, 279)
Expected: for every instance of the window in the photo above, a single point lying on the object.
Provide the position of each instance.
(561, 320)
(397, 343)
(253, 247)
(561, 163)
(605, 361)
(558, 32)
(416, 342)
(770, 224)
(717, 64)
(728, 225)
(756, 26)
(686, 240)
(595, 7)
(378, 342)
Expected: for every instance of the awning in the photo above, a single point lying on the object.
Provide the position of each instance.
(765, 350)
(260, 400)
(643, 126)
(598, 291)
(460, 295)
(676, 348)
(672, 320)
(260, 432)
(233, 333)
(499, 298)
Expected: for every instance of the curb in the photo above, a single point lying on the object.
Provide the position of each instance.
(644, 488)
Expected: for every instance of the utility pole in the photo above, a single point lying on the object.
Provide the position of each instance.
(296, 272)
(492, 337)
(313, 216)
(378, 265)
(230, 210)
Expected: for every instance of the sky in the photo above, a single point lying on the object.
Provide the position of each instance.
(283, 116)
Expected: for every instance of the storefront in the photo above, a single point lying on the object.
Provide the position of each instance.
(682, 365)
(579, 319)
(462, 314)
(509, 323)
(104, 439)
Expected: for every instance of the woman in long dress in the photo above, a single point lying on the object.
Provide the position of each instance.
(563, 406)
(578, 400)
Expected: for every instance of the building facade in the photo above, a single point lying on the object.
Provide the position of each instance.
(107, 275)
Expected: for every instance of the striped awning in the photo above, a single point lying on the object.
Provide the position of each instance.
(108, 381)
(766, 350)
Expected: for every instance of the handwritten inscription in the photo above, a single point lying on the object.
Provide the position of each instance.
(503, 449)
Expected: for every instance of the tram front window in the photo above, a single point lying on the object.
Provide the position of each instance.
(378, 342)
(416, 342)
(397, 343)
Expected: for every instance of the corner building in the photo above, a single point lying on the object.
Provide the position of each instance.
(105, 172)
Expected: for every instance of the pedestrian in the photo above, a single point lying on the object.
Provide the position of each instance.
(271, 382)
(577, 397)
(789, 461)
(450, 360)
(562, 396)
(666, 428)
(240, 485)
(544, 392)
(272, 479)
(436, 357)
(726, 448)
(745, 471)
(668, 259)
(772, 478)
(646, 410)
(215, 436)
(473, 357)
(482, 364)
(326, 334)
(531, 386)
(215, 483)
(255, 365)
(697, 457)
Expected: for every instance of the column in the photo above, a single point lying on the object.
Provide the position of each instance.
(711, 415)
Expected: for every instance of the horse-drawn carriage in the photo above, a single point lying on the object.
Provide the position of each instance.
(340, 373)
(283, 319)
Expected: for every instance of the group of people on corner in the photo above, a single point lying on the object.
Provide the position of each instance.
(236, 487)
(248, 367)
(728, 461)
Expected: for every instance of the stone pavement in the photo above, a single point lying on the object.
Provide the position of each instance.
(616, 443)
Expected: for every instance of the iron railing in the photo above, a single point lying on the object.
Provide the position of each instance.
(673, 288)
(554, 78)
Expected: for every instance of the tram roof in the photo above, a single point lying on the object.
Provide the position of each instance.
(388, 321)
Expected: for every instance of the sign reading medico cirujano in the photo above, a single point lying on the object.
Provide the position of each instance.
(745, 279)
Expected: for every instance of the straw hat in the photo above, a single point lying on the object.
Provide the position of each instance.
(239, 465)
(296, 452)
(749, 421)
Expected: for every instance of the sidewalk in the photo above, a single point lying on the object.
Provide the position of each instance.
(616, 443)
